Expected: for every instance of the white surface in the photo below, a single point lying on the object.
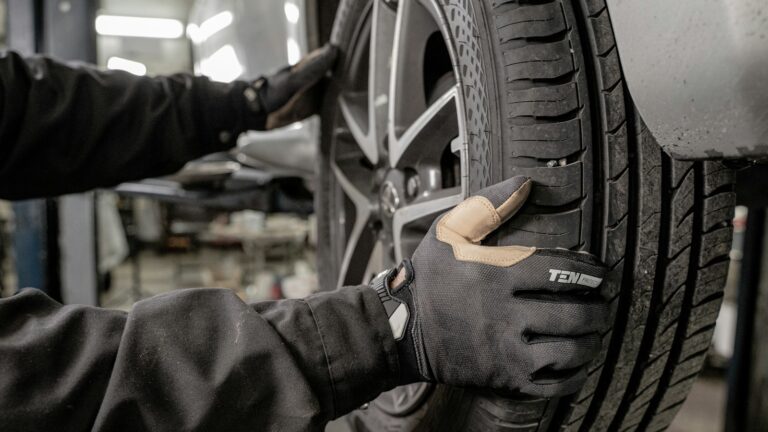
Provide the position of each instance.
(398, 321)
(127, 26)
(725, 330)
(134, 67)
(223, 65)
(209, 27)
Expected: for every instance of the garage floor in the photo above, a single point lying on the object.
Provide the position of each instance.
(702, 412)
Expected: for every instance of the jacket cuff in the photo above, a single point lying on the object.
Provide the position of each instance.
(228, 113)
(360, 350)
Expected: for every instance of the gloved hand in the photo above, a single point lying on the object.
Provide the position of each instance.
(508, 317)
(293, 93)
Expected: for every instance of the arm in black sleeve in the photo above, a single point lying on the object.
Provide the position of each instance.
(67, 128)
(192, 360)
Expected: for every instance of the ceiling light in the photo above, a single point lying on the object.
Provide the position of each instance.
(215, 24)
(222, 66)
(193, 32)
(292, 12)
(294, 52)
(134, 67)
(160, 28)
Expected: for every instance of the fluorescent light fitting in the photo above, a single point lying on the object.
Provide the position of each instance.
(193, 32)
(134, 67)
(126, 26)
(294, 52)
(292, 12)
(222, 66)
(215, 24)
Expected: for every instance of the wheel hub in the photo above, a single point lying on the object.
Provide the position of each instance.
(391, 194)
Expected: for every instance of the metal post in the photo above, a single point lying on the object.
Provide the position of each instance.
(69, 35)
(24, 19)
(740, 371)
(29, 243)
(79, 255)
(36, 231)
(69, 29)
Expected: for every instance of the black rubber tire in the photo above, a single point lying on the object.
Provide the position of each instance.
(545, 97)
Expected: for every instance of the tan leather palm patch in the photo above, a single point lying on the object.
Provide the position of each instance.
(470, 222)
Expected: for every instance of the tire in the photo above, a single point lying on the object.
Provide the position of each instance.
(544, 96)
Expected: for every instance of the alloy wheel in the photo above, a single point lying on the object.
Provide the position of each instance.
(398, 152)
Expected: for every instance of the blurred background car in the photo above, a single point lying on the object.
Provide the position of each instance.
(244, 40)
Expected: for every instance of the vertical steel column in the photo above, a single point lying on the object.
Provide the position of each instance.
(69, 29)
(35, 237)
(29, 244)
(739, 413)
(69, 35)
(24, 22)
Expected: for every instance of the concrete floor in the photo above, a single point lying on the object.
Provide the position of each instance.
(702, 412)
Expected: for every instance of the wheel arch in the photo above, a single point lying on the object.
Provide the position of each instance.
(694, 72)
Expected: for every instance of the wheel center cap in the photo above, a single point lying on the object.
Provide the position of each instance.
(389, 199)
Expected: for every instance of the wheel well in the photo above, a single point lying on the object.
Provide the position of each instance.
(321, 15)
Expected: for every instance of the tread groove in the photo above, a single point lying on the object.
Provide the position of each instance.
(657, 296)
(680, 333)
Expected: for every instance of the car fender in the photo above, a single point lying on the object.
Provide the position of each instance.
(697, 70)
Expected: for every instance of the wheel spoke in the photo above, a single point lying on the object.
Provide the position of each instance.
(429, 134)
(382, 34)
(360, 242)
(377, 262)
(436, 203)
(353, 113)
(407, 98)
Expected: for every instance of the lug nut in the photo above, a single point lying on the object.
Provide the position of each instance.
(412, 186)
(392, 4)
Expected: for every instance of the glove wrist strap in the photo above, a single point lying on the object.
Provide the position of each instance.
(398, 305)
(397, 311)
(256, 113)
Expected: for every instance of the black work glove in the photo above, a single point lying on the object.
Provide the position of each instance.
(508, 317)
(293, 93)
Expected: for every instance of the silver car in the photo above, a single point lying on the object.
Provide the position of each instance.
(621, 111)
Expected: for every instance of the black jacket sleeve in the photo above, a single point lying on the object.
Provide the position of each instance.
(193, 360)
(66, 128)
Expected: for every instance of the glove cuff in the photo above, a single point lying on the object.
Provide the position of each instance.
(254, 100)
(393, 288)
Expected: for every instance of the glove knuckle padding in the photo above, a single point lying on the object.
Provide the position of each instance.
(556, 388)
(503, 317)
(563, 319)
(561, 354)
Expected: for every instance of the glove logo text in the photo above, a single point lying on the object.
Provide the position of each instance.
(569, 277)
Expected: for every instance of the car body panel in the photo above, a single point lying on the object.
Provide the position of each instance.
(259, 38)
(697, 71)
(268, 171)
